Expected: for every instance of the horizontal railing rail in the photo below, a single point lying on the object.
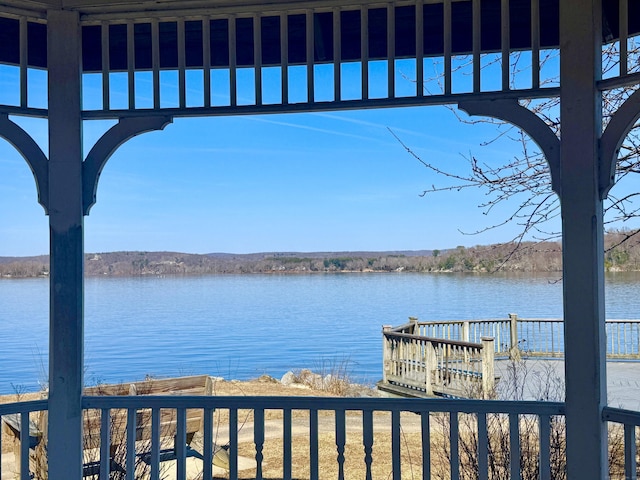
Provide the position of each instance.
(22, 415)
(446, 437)
(623, 441)
(543, 337)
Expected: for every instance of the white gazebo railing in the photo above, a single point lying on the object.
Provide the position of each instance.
(370, 436)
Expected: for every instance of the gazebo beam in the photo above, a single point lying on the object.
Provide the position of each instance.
(582, 238)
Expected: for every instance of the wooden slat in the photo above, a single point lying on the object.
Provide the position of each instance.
(447, 47)
(535, 48)
(131, 443)
(310, 59)
(314, 468)
(545, 447)
(155, 444)
(391, 51)
(514, 445)
(155, 62)
(426, 444)
(477, 26)
(233, 77)
(104, 32)
(419, 48)
(630, 470)
(367, 440)
(23, 63)
(504, 41)
(284, 57)
(207, 454)
(206, 61)
(181, 443)
(24, 446)
(131, 52)
(233, 443)
(258, 439)
(483, 446)
(337, 53)
(257, 58)
(624, 33)
(341, 440)
(105, 441)
(287, 453)
(364, 51)
(395, 445)
(182, 89)
(454, 447)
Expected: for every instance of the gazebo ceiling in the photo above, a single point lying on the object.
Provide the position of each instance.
(92, 12)
(136, 9)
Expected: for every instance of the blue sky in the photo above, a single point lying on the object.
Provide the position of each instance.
(295, 182)
(289, 182)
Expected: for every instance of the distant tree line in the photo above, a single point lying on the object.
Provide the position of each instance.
(530, 257)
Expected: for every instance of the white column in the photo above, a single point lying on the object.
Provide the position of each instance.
(582, 240)
(66, 244)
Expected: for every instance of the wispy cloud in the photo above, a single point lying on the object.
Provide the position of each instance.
(302, 126)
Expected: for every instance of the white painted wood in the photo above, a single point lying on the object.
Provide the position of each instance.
(66, 226)
(182, 83)
(447, 47)
(391, 50)
(106, 93)
(535, 43)
(364, 51)
(131, 444)
(206, 61)
(309, 29)
(284, 57)
(337, 55)
(582, 239)
(131, 78)
(23, 63)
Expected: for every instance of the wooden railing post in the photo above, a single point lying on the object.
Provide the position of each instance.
(488, 369)
(386, 353)
(416, 328)
(465, 331)
(514, 350)
(429, 366)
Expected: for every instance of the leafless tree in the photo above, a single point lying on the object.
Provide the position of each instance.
(521, 184)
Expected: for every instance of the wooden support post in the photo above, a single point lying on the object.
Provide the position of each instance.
(66, 225)
(386, 354)
(488, 367)
(583, 238)
(514, 349)
(429, 366)
(416, 328)
(465, 331)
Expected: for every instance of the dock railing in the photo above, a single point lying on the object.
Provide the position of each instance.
(428, 365)
(541, 337)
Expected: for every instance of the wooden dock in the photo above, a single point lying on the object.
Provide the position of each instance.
(475, 358)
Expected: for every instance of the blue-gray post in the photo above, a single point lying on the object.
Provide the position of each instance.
(66, 247)
(583, 238)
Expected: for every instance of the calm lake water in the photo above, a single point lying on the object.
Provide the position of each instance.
(243, 326)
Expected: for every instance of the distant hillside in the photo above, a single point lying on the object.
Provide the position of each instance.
(530, 257)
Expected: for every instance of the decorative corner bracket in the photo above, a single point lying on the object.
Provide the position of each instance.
(124, 130)
(611, 140)
(511, 111)
(32, 153)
